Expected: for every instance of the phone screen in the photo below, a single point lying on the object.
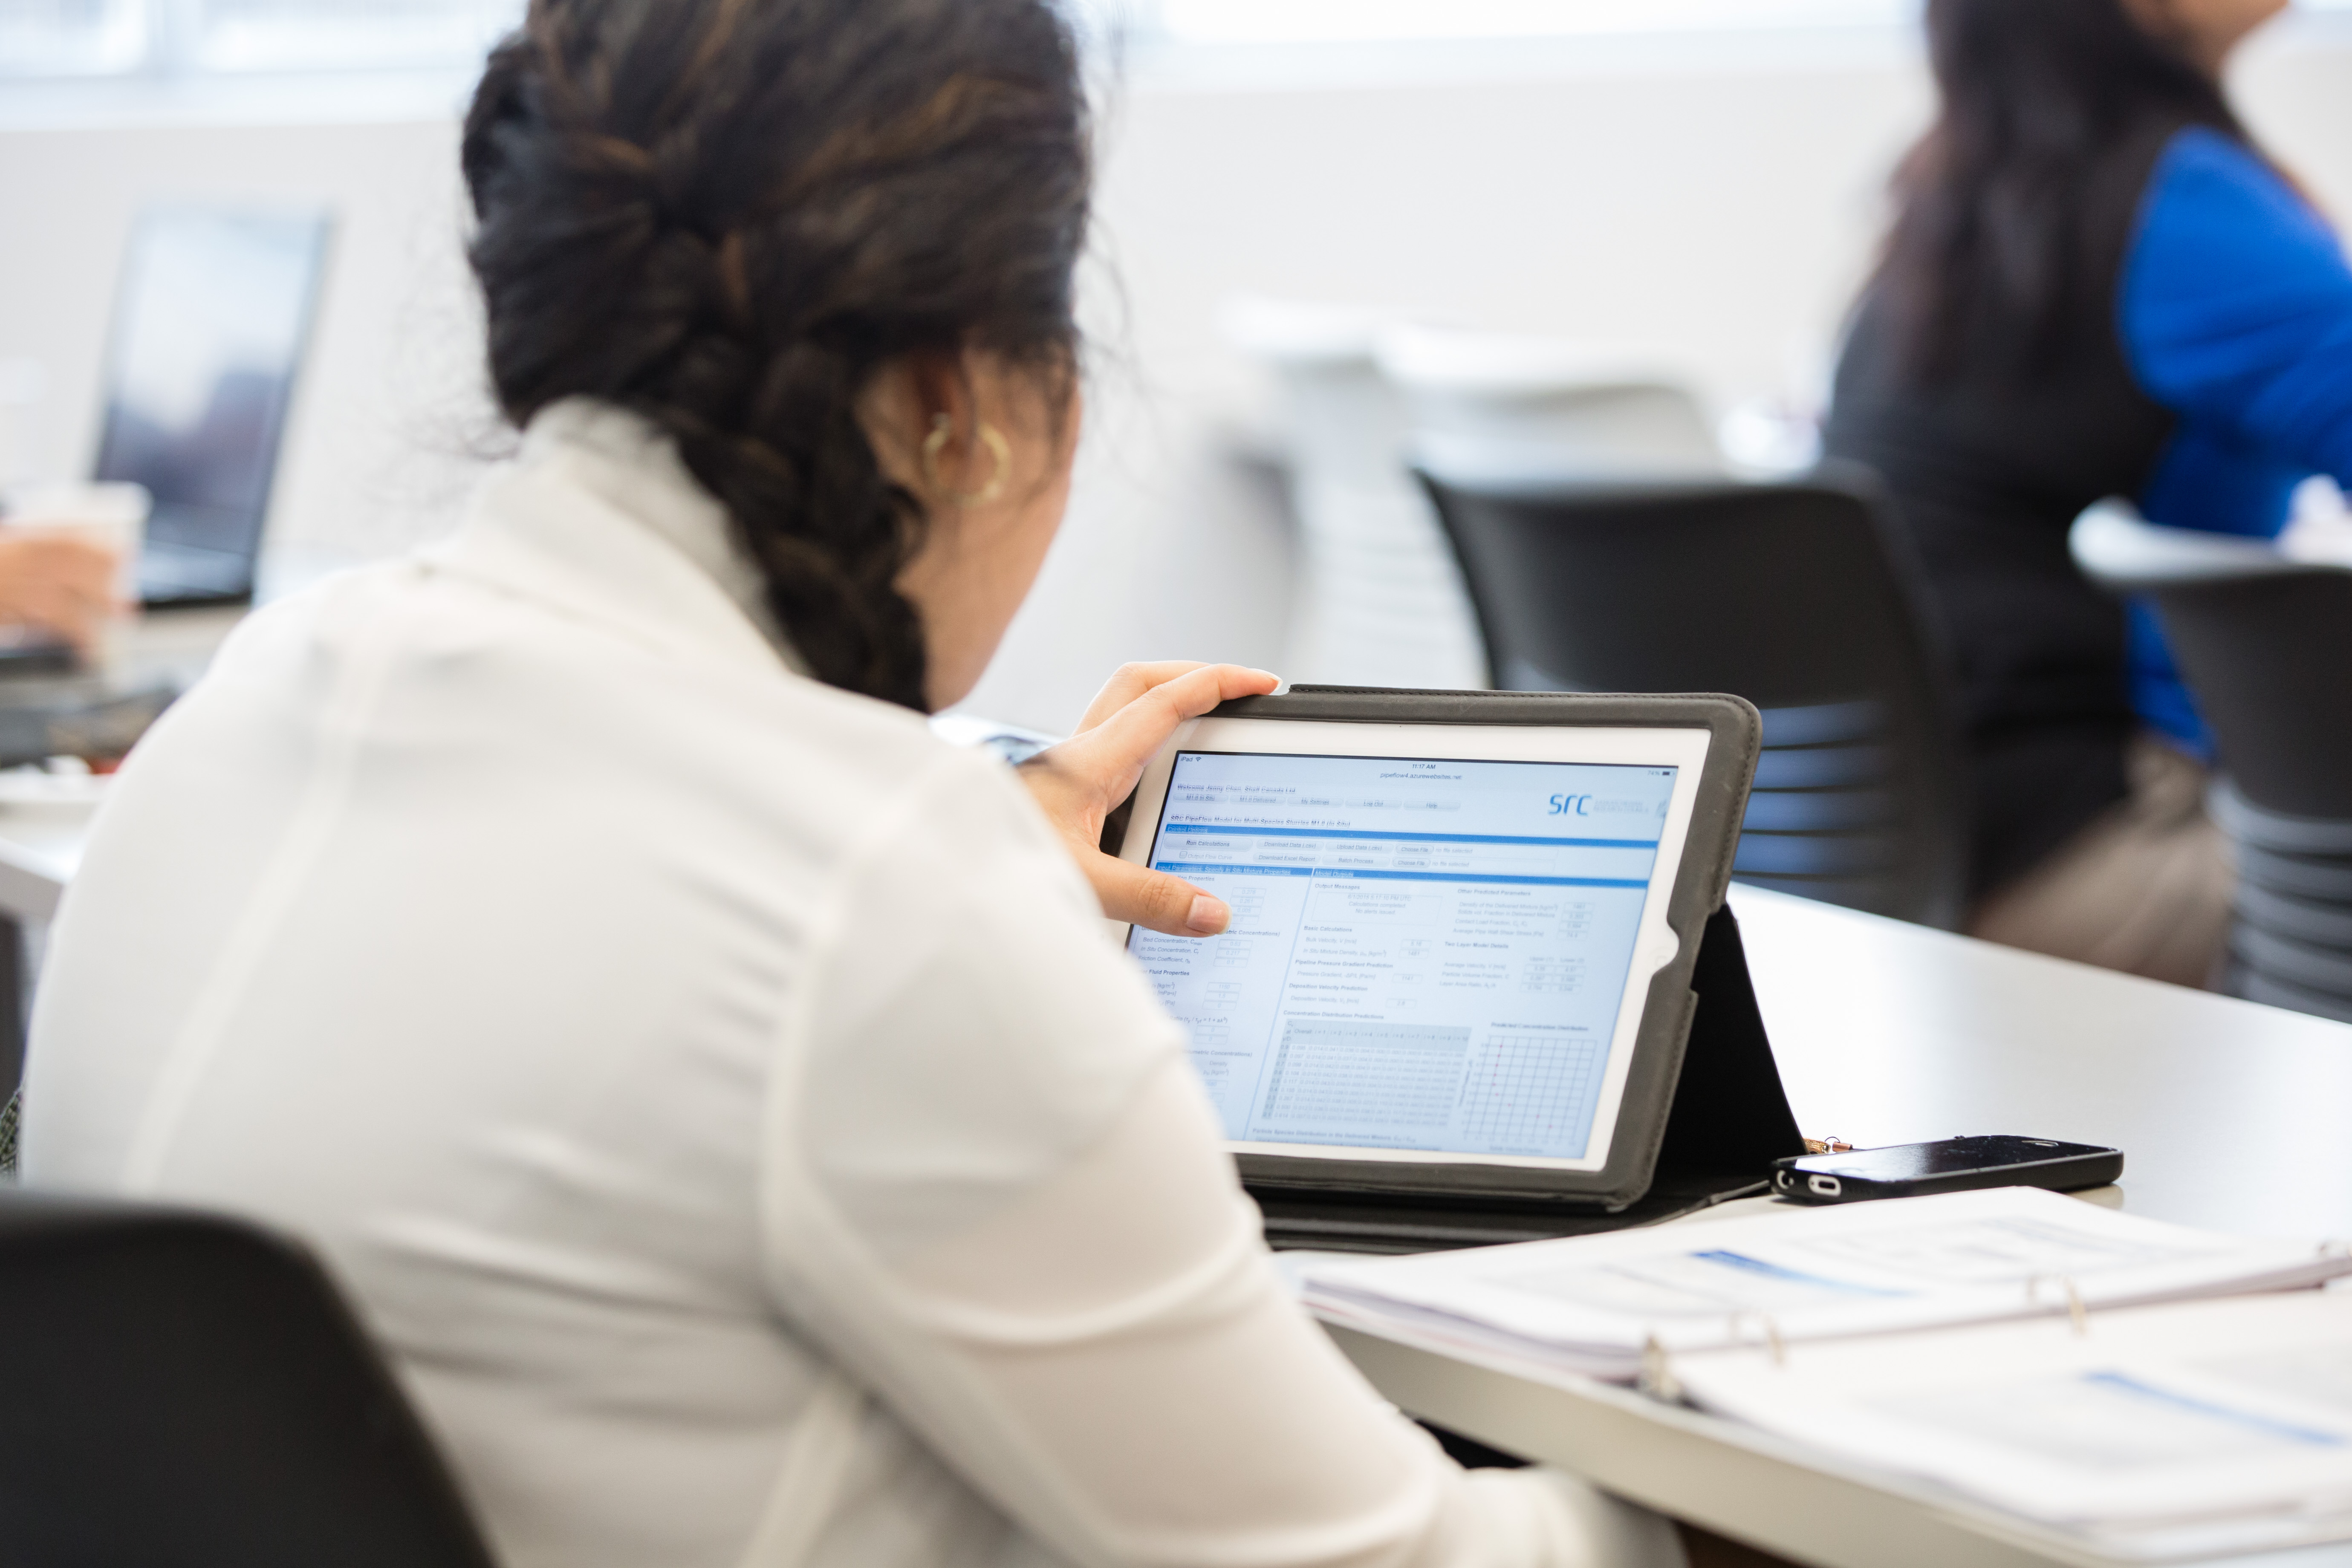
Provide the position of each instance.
(1953, 1156)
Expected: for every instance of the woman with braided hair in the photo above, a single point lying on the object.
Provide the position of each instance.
(717, 1094)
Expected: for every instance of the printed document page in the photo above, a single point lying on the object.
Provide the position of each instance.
(1593, 1303)
(1425, 955)
(2193, 1427)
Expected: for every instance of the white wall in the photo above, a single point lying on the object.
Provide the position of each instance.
(1716, 207)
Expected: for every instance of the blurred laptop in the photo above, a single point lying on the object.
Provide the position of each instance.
(210, 328)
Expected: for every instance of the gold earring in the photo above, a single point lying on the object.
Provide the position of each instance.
(999, 451)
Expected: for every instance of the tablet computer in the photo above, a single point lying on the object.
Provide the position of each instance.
(1464, 926)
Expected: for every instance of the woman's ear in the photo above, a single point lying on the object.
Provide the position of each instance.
(922, 416)
(890, 412)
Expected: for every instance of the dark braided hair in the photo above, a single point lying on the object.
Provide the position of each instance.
(727, 215)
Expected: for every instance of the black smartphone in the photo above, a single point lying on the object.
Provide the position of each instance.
(1954, 1165)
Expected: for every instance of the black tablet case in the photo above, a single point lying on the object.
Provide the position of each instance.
(1704, 1113)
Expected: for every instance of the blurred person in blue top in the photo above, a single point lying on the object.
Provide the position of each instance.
(2096, 284)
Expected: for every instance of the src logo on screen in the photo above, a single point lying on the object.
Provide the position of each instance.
(1570, 805)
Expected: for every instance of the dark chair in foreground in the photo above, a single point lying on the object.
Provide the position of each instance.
(1796, 596)
(2266, 644)
(179, 1389)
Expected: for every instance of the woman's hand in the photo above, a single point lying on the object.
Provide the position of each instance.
(58, 582)
(1083, 780)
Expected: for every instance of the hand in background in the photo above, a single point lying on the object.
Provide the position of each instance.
(57, 581)
(1083, 780)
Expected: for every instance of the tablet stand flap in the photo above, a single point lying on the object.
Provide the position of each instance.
(1730, 1114)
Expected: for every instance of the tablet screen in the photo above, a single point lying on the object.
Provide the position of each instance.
(1426, 954)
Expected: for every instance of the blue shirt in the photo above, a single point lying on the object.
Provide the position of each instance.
(2236, 314)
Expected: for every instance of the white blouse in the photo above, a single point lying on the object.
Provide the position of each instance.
(718, 1093)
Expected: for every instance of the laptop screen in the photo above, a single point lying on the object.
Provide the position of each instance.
(1426, 954)
(208, 333)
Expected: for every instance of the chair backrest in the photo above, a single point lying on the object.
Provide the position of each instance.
(1799, 597)
(180, 1389)
(1598, 415)
(1383, 604)
(2263, 641)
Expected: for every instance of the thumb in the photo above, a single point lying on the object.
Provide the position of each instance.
(1156, 900)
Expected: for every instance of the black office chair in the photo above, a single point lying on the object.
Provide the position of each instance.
(1799, 597)
(179, 1389)
(2265, 642)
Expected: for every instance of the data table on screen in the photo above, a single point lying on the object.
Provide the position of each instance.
(1425, 955)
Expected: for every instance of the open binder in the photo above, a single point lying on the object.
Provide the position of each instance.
(1650, 1302)
(2144, 1389)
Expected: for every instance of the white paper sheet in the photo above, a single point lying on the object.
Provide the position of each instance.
(2158, 1431)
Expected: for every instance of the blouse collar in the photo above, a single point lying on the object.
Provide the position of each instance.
(601, 513)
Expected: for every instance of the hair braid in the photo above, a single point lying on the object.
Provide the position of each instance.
(728, 217)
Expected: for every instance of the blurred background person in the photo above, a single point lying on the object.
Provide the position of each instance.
(2095, 284)
(55, 584)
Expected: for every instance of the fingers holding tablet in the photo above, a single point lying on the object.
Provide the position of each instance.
(1129, 681)
(1080, 781)
(1139, 709)
(1158, 901)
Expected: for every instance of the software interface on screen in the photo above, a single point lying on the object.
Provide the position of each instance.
(1423, 954)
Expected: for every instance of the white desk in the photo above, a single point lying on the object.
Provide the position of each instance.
(2230, 1115)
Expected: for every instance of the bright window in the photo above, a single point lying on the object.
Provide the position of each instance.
(188, 38)
(1359, 21)
(180, 38)
(345, 34)
(1302, 21)
(72, 38)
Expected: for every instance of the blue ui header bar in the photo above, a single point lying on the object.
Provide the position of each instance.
(1195, 868)
(1428, 800)
(1413, 837)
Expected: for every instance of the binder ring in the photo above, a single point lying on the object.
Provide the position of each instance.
(1657, 1377)
(1773, 1343)
(2076, 1312)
